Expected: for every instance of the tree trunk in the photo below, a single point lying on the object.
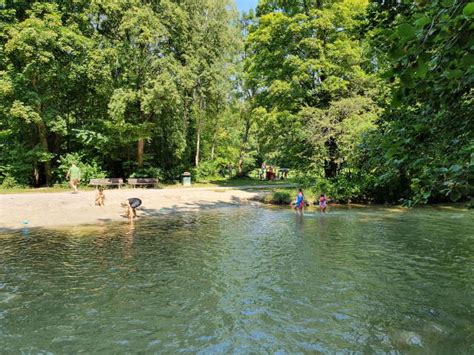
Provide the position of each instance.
(43, 139)
(245, 139)
(198, 145)
(213, 147)
(140, 152)
(330, 168)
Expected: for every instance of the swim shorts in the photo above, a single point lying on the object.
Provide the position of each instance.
(134, 202)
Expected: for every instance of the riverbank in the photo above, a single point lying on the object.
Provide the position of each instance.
(65, 208)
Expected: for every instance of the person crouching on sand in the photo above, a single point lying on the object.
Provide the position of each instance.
(100, 197)
(130, 207)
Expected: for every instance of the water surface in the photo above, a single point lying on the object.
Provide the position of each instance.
(244, 280)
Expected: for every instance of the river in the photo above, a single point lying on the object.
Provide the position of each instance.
(244, 280)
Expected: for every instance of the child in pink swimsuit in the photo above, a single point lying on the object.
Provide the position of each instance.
(323, 203)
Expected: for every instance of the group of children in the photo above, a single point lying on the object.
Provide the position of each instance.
(130, 204)
(300, 202)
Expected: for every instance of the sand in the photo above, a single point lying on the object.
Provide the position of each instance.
(65, 208)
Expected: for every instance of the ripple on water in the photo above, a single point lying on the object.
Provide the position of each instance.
(247, 280)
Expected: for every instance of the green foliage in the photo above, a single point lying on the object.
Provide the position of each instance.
(368, 102)
(422, 151)
(278, 197)
(149, 172)
(306, 64)
(8, 182)
(215, 168)
(131, 87)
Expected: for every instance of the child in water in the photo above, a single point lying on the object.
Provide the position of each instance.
(323, 203)
(299, 205)
(130, 205)
(100, 197)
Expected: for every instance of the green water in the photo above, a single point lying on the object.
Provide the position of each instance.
(244, 280)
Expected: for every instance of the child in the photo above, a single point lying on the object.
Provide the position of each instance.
(130, 205)
(299, 206)
(323, 203)
(100, 197)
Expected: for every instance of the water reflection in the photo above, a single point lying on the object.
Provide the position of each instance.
(243, 280)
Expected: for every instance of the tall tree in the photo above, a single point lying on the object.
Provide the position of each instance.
(305, 58)
(43, 59)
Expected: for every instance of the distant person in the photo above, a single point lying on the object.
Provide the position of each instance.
(323, 203)
(300, 203)
(100, 197)
(130, 207)
(270, 173)
(74, 176)
(263, 171)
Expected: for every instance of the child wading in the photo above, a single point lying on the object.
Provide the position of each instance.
(130, 205)
(323, 203)
(299, 205)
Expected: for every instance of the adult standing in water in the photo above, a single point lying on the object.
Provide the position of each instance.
(74, 176)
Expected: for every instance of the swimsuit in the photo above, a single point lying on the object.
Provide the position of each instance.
(300, 201)
(322, 202)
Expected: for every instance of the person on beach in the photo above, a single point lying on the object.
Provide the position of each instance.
(130, 207)
(323, 203)
(74, 176)
(100, 197)
(299, 205)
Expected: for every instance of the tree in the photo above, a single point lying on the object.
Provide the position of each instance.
(426, 131)
(43, 59)
(300, 60)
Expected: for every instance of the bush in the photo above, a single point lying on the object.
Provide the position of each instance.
(149, 172)
(281, 198)
(9, 182)
(218, 167)
(278, 198)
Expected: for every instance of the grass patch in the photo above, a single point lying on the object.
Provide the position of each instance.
(33, 190)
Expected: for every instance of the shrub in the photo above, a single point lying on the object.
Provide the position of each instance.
(218, 167)
(9, 182)
(281, 198)
(278, 198)
(148, 172)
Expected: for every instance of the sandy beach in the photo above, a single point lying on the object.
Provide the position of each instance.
(65, 208)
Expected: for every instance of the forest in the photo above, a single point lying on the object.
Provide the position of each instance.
(364, 100)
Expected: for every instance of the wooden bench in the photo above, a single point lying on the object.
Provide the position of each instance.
(142, 181)
(106, 182)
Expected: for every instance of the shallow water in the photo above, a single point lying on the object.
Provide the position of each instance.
(244, 280)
